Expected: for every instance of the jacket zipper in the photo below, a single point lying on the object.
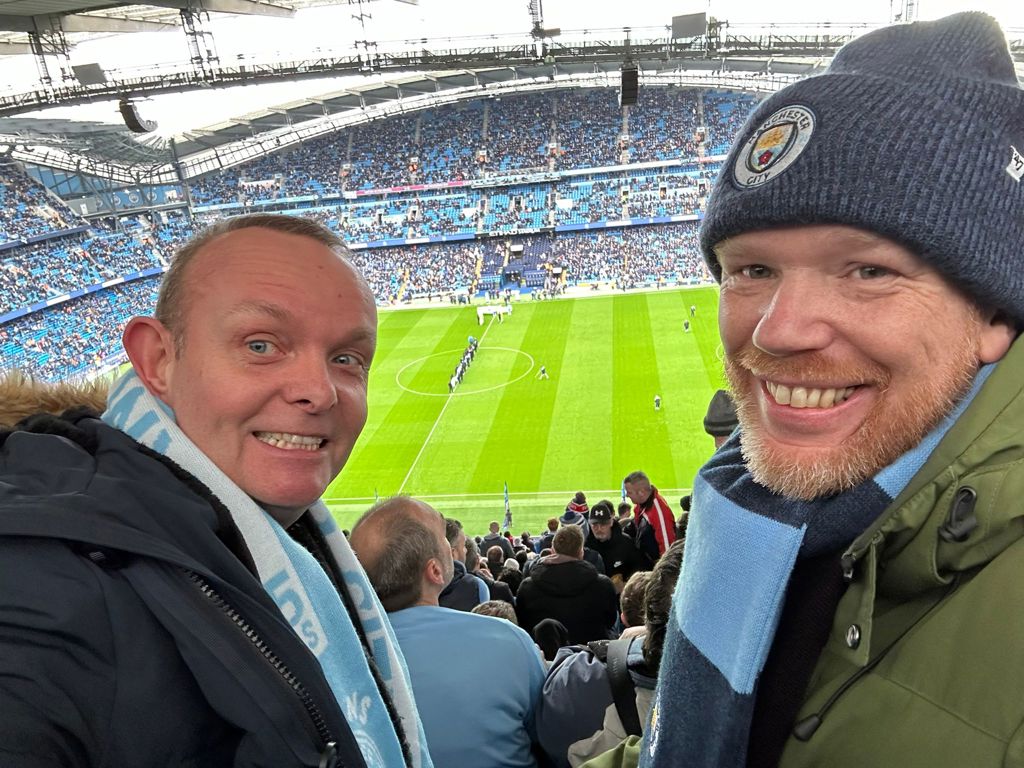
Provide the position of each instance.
(319, 722)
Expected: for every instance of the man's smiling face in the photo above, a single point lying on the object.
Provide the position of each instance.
(843, 350)
(270, 378)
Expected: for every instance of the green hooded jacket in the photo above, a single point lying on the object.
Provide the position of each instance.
(924, 665)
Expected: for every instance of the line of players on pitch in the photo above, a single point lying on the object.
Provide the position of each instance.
(460, 370)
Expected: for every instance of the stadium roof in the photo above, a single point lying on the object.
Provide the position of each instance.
(19, 19)
(366, 84)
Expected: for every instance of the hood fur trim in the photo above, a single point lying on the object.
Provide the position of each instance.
(21, 396)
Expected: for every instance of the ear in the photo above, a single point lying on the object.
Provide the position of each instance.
(150, 347)
(997, 335)
(434, 573)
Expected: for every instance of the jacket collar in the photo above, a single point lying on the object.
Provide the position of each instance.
(958, 513)
(981, 452)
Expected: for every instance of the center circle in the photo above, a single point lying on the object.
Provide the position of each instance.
(461, 390)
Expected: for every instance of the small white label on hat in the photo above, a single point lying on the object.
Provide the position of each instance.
(774, 146)
(1016, 166)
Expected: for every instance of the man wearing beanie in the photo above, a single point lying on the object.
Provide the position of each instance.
(720, 419)
(852, 589)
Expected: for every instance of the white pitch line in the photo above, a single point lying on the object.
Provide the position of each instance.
(437, 421)
(520, 495)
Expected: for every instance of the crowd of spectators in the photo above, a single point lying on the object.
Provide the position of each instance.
(54, 267)
(664, 124)
(76, 338)
(492, 136)
(659, 255)
(438, 269)
(550, 131)
(628, 257)
(28, 210)
(724, 113)
(587, 128)
(584, 591)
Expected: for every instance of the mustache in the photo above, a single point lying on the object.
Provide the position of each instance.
(806, 366)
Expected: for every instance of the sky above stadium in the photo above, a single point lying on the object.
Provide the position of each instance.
(392, 24)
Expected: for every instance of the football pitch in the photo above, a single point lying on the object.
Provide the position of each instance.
(584, 428)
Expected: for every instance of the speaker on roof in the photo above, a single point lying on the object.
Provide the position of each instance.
(133, 120)
(89, 74)
(630, 85)
(690, 25)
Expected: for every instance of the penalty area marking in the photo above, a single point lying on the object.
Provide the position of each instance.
(525, 373)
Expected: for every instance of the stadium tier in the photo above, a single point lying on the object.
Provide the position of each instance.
(528, 192)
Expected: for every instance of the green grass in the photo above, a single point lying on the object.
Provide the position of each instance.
(583, 429)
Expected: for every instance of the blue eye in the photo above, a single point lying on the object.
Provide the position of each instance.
(259, 346)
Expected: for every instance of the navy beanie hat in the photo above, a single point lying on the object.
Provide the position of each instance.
(914, 132)
(720, 419)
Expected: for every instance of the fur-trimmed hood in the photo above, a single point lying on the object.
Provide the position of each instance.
(21, 396)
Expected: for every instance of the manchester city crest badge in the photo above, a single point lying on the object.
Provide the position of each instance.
(774, 146)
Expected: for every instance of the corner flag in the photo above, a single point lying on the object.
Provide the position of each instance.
(507, 523)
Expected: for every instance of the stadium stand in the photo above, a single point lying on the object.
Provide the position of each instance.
(531, 192)
(29, 211)
(77, 338)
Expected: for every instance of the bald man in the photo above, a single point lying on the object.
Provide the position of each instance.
(402, 545)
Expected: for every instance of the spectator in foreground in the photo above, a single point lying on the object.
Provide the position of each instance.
(154, 559)
(864, 522)
(564, 587)
(574, 516)
(544, 542)
(495, 560)
(496, 590)
(720, 420)
(499, 609)
(402, 544)
(631, 604)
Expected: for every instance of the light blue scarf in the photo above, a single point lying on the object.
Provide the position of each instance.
(299, 586)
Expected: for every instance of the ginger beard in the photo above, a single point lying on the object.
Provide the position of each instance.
(904, 414)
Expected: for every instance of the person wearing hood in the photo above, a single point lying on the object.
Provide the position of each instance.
(175, 591)
(495, 539)
(565, 587)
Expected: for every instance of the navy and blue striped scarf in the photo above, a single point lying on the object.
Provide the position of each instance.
(742, 544)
